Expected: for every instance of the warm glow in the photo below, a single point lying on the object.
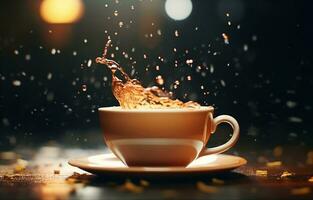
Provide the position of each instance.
(178, 9)
(61, 11)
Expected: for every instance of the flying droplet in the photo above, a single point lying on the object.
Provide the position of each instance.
(225, 37)
(189, 61)
(49, 76)
(27, 57)
(176, 33)
(84, 88)
(223, 83)
(53, 51)
(211, 69)
(89, 62)
(17, 83)
(159, 80)
(159, 32)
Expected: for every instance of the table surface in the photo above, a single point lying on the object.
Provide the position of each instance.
(43, 173)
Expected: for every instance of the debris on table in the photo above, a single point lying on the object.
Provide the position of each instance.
(20, 165)
(274, 164)
(206, 188)
(144, 183)
(78, 178)
(286, 174)
(57, 190)
(300, 191)
(131, 187)
(218, 181)
(259, 172)
(56, 171)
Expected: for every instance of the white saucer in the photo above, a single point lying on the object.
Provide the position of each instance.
(109, 164)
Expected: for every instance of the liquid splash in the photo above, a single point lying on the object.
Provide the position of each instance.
(132, 95)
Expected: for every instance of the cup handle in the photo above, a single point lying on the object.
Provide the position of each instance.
(224, 147)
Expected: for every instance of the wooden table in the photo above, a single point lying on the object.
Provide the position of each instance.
(43, 173)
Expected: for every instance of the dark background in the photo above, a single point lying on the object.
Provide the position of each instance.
(263, 77)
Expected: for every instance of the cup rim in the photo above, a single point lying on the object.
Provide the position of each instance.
(118, 109)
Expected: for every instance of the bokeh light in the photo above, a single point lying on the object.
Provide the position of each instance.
(61, 11)
(178, 9)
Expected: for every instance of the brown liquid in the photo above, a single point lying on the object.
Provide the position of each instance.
(131, 94)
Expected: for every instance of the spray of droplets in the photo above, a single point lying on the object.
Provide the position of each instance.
(132, 95)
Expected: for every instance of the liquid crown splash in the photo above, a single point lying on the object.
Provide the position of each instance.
(132, 95)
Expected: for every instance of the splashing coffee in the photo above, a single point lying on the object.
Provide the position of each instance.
(132, 95)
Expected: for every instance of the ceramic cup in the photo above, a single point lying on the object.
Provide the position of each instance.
(162, 137)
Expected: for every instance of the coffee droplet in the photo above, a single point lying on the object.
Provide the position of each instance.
(159, 80)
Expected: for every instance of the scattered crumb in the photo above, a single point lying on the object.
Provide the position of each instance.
(206, 188)
(261, 172)
(218, 181)
(300, 191)
(71, 180)
(278, 151)
(56, 171)
(131, 187)
(144, 183)
(20, 165)
(285, 174)
(78, 178)
(273, 164)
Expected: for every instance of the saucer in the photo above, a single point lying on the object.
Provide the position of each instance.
(109, 164)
